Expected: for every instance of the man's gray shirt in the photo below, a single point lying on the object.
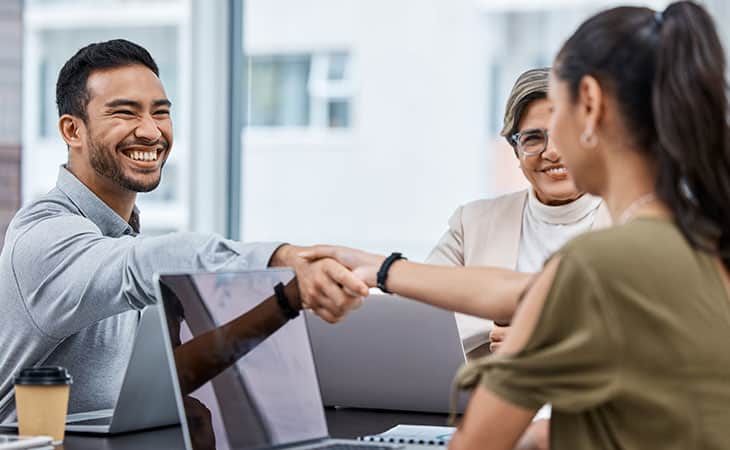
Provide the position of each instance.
(73, 277)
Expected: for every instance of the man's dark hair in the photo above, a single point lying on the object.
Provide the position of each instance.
(71, 93)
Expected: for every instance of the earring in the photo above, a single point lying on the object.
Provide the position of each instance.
(588, 139)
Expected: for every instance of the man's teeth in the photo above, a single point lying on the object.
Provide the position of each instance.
(144, 156)
(557, 170)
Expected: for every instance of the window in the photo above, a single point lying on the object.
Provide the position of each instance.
(371, 122)
(56, 46)
(278, 91)
(300, 90)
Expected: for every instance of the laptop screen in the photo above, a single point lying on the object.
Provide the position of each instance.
(270, 395)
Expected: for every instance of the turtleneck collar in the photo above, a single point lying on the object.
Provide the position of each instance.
(566, 214)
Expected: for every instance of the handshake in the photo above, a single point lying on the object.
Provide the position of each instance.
(331, 280)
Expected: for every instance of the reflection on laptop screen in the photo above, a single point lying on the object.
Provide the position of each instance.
(268, 397)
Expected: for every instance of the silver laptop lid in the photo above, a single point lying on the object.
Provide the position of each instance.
(391, 353)
(270, 396)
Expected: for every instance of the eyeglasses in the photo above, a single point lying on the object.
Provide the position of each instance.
(530, 142)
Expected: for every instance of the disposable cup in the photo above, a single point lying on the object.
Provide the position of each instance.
(41, 401)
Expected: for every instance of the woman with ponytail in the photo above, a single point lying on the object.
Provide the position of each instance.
(625, 331)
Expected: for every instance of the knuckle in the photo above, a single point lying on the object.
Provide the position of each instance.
(326, 264)
(311, 295)
(320, 281)
(337, 309)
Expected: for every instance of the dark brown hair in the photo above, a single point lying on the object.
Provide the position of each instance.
(667, 72)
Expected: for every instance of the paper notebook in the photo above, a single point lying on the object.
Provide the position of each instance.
(413, 434)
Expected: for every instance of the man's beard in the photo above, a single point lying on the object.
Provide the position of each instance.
(104, 164)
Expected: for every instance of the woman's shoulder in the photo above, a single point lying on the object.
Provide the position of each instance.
(495, 205)
(613, 246)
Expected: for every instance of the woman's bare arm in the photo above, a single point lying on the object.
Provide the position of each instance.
(490, 422)
(487, 292)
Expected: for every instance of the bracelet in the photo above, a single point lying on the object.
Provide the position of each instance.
(385, 267)
(283, 302)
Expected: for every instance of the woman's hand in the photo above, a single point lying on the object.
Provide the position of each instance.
(323, 285)
(364, 265)
(497, 337)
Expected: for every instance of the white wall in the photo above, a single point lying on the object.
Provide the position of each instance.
(417, 147)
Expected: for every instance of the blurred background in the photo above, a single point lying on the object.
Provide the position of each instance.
(359, 122)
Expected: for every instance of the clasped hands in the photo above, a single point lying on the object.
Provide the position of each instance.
(331, 280)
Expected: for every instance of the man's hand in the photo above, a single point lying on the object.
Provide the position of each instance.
(325, 286)
(496, 337)
(363, 264)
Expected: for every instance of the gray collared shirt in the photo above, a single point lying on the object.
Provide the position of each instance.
(73, 277)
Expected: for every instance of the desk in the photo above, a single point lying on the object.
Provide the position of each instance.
(342, 423)
(351, 423)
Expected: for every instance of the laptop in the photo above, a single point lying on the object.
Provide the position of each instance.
(267, 398)
(391, 353)
(147, 396)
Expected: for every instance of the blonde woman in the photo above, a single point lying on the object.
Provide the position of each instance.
(519, 231)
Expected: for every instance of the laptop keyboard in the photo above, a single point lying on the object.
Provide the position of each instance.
(353, 446)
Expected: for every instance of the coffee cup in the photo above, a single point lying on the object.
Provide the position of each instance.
(41, 401)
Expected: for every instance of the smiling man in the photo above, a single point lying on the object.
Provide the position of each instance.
(75, 271)
(120, 141)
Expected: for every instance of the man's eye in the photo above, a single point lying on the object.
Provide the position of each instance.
(162, 112)
(123, 112)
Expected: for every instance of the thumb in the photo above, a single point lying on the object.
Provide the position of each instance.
(317, 252)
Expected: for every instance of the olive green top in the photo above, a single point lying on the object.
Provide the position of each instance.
(632, 347)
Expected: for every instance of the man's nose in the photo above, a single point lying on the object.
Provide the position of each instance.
(148, 130)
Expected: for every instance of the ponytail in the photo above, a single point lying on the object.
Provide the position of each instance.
(667, 72)
(690, 107)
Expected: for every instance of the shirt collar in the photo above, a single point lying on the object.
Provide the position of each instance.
(93, 208)
(566, 214)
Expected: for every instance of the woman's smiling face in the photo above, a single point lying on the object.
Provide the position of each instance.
(549, 178)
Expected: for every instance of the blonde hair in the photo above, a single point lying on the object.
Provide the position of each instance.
(530, 86)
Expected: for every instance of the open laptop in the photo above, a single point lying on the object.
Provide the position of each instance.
(147, 397)
(391, 353)
(270, 396)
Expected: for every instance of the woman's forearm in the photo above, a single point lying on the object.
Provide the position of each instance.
(488, 292)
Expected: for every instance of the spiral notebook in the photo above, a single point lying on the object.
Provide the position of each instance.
(414, 434)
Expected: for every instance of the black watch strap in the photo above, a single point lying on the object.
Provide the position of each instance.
(385, 267)
(283, 302)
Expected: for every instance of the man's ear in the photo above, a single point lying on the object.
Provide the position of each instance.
(591, 102)
(71, 128)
